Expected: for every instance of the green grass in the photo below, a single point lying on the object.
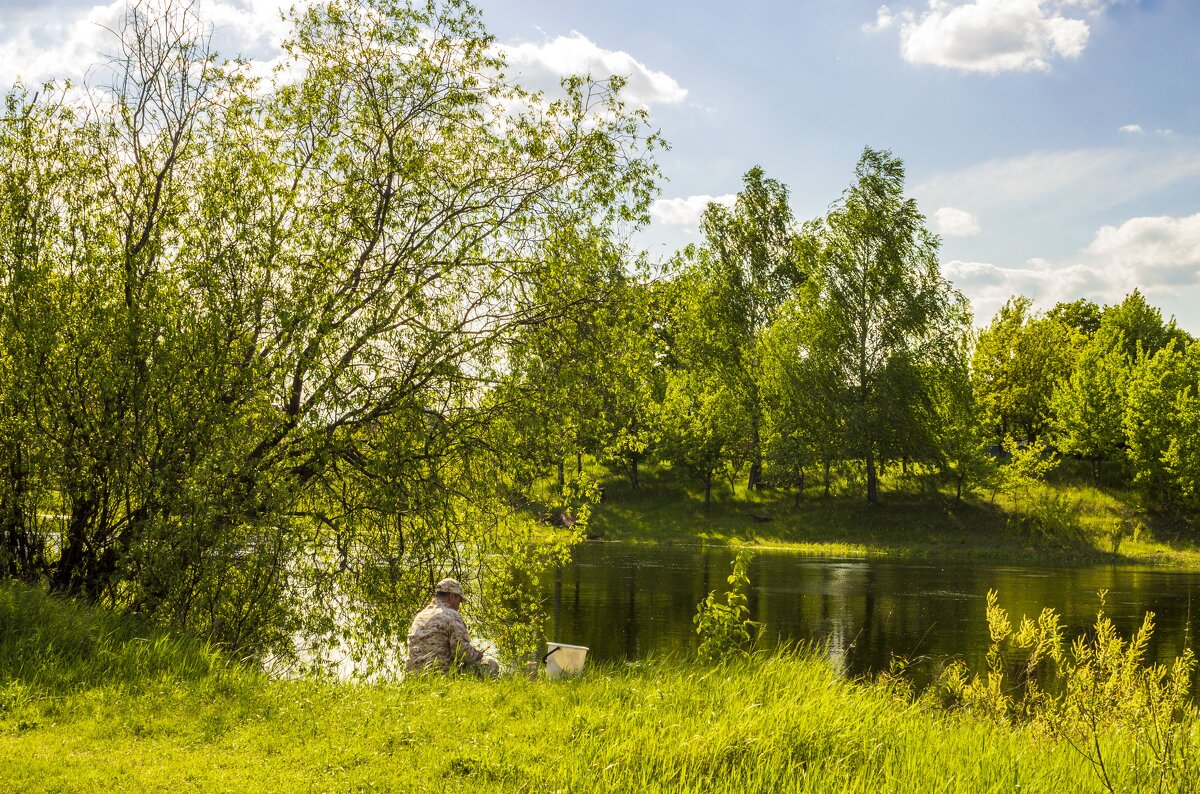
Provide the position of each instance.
(784, 722)
(909, 522)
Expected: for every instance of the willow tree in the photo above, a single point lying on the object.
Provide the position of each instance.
(253, 324)
(884, 316)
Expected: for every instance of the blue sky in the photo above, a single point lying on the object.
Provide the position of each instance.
(1054, 144)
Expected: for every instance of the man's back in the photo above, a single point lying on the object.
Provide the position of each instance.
(439, 638)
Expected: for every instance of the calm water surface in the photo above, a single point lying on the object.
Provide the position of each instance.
(628, 602)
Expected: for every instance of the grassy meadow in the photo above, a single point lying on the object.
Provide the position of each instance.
(90, 702)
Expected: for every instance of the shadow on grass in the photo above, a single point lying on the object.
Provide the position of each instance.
(917, 523)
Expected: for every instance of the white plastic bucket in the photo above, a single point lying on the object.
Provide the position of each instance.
(563, 659)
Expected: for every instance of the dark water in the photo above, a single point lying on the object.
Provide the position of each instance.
(628, 602)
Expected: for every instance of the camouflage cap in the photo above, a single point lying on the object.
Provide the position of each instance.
(449, 587)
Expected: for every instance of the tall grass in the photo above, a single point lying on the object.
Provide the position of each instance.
(54, 645)
(779, 722)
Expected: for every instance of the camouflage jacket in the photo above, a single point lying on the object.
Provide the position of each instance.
(438, 638)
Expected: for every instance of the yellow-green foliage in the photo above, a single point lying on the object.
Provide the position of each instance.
(725, 629)
(1100, 687)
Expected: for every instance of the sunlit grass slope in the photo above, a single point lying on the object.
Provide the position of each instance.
(910, 521)
(108, 713)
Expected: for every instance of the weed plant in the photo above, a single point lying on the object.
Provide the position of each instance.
(1090, 695)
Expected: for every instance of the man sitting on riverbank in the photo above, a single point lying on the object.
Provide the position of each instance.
(438, 639)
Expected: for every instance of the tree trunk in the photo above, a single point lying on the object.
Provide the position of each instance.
(755, 481)
(708, 489)
(633, 472)
(562, 476)
(71, 573)
(578, 462)
(827, 479)
(872, 478)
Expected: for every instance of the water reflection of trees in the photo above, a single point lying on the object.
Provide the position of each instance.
(628, 602)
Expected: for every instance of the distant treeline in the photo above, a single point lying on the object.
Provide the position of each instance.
(775, 354)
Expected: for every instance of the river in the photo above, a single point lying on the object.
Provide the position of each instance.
(628, 602)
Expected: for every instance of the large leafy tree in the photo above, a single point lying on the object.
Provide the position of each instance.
(251, 326)
(805, 398)
(750, 264)
(1134, 326)
(886, 317)
(1159, 418)
(1083, 315)
(1088, 407)
(963, 441)
(1018, 362)
(704, 417)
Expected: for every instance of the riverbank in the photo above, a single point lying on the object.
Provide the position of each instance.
(89, 702)
(908, 523)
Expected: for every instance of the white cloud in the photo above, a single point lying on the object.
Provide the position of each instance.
(51, 43)
(953, 222)
(1132, 129)
(544, 65)
(40, 45)
(686, 211)
(1159, 256)
(1157, 251)
(883, 21)
(988, 286)
(993, 36)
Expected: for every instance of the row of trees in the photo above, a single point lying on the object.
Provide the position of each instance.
(773, 348)
(1116, 386)
(774, 351)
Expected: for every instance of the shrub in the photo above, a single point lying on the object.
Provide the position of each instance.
(1101, 686)
(725, 629)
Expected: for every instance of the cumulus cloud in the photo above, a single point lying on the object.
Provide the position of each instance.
(45, 42)
(993, 36)
(988, 286)
(883, 21)
(1158, 255)
(39, 45)
(686, 211)
(953, 222)
(543, 65)
(1132, 129)
(1161, 250)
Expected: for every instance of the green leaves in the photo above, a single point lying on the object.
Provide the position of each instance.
(725, 629)
(883, 316)
(250, 330)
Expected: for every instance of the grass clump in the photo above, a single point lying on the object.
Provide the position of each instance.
(53, 645)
